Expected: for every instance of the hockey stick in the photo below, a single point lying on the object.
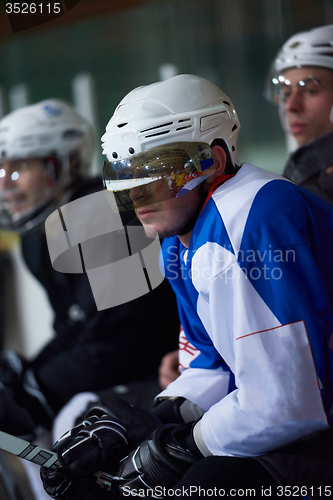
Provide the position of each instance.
(41, 456)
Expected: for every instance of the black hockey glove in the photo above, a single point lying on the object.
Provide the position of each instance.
(60, 485)
(97, 444)
(158, 463)
(104, 438)
(23, 406)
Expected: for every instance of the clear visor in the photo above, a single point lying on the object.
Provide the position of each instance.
(278, 88)
(159, 173)
(25, 186)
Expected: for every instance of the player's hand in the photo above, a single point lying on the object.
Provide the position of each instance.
(62, 486)
(158, 462)
(97, 443)
(104, 437)
(168, 369)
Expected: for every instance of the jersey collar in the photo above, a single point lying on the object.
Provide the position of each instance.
(220, 180)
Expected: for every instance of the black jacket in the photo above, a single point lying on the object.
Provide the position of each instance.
(307, 167)
(95, 349)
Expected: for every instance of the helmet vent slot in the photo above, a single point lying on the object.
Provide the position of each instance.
(158, 133)
(182, 128)
(122, 125)
(68, 134)
(157, 126)
(182, 120)
(26, 140)
(44, 139)
(322, 45)
(329, 54)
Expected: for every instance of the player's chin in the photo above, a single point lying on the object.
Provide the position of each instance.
(151, 231)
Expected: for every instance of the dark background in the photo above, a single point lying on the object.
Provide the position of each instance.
(121, 44)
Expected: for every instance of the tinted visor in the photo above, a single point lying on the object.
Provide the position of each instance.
(159, 173)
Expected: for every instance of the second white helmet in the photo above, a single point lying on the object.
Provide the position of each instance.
(43, 148)
(48, 127)
(307, 48)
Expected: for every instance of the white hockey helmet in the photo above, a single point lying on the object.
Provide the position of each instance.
(164, 130)
(307, 48)
(53, 133)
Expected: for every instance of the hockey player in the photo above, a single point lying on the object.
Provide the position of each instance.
(301, 83)
(248, 254)
(46, 152)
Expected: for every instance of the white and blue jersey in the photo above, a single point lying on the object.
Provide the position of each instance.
(255, 298)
